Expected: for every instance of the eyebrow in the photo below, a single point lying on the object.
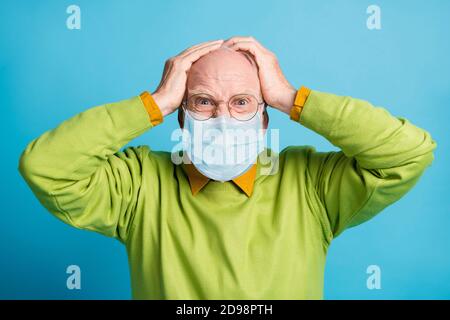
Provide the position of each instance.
(196, 91)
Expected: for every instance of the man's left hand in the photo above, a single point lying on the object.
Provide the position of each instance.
(276, 90)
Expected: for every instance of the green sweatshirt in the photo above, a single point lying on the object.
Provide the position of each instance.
(221, 243)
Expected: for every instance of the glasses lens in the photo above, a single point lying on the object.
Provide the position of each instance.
(243, 107)
(201, 106)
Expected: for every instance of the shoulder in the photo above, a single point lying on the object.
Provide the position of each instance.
(307, 158)
(146, 156)
(294, 154)
(308, 153)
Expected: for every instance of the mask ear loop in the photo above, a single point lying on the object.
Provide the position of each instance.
(265, 113)
(182, 114)
(182, 110)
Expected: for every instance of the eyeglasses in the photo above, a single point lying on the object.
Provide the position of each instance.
(203, 106)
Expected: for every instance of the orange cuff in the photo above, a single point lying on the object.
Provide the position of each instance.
(299, 103)
(154, 112)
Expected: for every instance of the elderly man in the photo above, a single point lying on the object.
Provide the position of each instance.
(208, 229)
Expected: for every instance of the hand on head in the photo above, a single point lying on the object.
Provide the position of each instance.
(223, 69)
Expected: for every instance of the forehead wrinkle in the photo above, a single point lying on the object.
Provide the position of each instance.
(223, 88)
(226, 76)
(218, 73)
(215, 96)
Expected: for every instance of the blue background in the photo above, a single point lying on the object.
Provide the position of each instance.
(49, 73)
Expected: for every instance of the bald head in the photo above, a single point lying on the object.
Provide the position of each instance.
(223, 73)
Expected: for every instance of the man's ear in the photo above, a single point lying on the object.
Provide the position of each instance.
(181, 117)
(181, 112)
(265, 117)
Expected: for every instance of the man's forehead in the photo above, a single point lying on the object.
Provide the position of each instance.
(224, 85)
(216, 94)
(224, 75)
(223, 88)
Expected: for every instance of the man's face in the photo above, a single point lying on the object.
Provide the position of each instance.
(222, 74)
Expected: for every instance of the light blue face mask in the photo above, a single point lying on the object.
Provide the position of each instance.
(223, 148)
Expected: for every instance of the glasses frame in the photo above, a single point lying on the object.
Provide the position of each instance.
(217, 102)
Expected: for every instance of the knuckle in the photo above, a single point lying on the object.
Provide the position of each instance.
(176, 62)
(272, 56)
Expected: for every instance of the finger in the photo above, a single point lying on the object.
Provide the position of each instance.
(236, 40)
(164, 74)
(206, 43)
(250, 48)
(193, 56)
(201, 44)
(233, 40)
(198, 46)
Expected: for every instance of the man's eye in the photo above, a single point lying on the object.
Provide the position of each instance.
(203, 101)
(240, 103)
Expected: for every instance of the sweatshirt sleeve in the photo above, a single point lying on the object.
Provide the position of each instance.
(381, 157)
(78, 172)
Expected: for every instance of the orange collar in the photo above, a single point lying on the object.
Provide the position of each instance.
(197, 180)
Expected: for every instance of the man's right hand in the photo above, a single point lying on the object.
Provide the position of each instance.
(170, 92)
